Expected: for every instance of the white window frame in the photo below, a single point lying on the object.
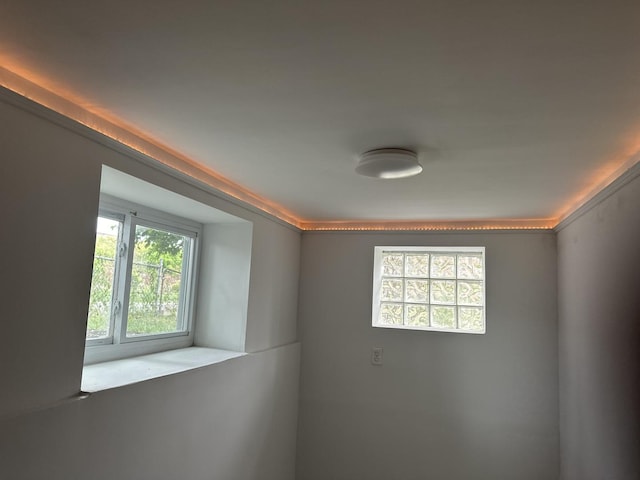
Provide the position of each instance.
(118, 345)
(378, 277)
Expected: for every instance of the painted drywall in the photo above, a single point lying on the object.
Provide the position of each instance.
(235, 420)
(49, 187)
(273, 290)
(231, 421)
(599, 340)
(443, 405)
(223, 285)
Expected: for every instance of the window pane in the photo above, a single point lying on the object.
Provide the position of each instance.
(470, 266)
(391, 290)
(391, 314)
(443, 266)
(103, 277)
(417, 315)
(417, 265)
(470, 318)
(156, 282)
(469, 293)
(443, 291)
(417, 291)
(392, 264)
(443, 317)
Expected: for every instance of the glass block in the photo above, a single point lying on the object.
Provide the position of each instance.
(470, 318)
(417, 265)
(416, 315)
(443, 292)
(443, 317)
(470, 266)
(417, 291)
(391, 290)
(470, 293)
(443, 266)
(390, 314)
(392, 264)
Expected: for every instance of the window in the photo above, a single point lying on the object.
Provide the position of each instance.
(429, 288)
(143, 280)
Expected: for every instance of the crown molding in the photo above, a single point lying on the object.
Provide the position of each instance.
(627, 176)
(107, 130)
(110, 131)
(430, 226)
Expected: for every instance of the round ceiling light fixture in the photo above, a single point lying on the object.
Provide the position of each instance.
(389, 163)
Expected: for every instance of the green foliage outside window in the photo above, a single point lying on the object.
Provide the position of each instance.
(155, 283)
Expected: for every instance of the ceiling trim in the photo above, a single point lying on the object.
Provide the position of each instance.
(606, 176)
(394, 225)
(626, 177)
(110, 126)
(47, 95)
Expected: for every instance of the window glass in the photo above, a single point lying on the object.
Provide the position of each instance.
(143, 280)
(103, 279)
(157, 273)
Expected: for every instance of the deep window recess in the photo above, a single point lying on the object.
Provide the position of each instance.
(429, 288)
(143, 281)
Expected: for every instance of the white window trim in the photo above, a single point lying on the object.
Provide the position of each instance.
(377, 286)
(118, 346)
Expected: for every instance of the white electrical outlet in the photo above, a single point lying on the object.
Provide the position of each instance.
(376, 355)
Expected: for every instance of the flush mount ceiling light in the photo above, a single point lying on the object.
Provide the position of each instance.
(389, 163)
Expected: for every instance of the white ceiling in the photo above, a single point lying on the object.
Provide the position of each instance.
(515, 107)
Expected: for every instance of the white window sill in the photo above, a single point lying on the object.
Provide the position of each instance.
(118, 373)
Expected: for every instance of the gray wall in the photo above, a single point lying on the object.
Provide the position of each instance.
(443, 406)
(234, 420)
(599, 336)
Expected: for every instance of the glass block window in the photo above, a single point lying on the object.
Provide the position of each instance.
(429, 288)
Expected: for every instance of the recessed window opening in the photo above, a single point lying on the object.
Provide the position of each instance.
(429, 288)
(169, 272)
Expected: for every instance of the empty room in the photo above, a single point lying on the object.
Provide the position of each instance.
(329, 240)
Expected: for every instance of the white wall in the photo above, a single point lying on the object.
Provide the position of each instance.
(599, 314)
(235, 420)
(223, 283)
(443, 406)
